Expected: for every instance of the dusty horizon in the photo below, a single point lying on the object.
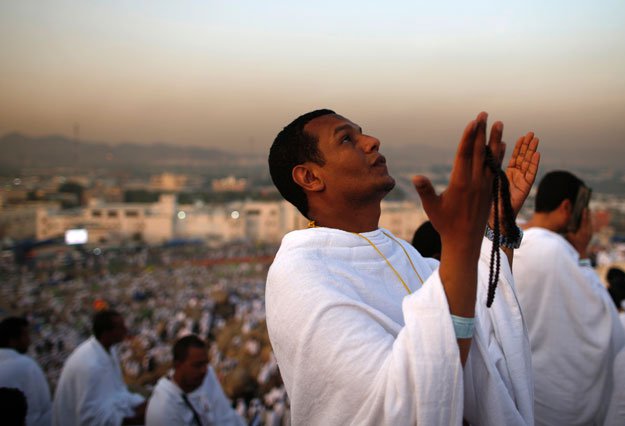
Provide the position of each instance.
(219, 75)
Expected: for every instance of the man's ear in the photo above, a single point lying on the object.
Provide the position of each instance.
(566, 206)
(306, 176)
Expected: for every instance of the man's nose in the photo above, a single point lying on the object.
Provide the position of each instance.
(370, 143)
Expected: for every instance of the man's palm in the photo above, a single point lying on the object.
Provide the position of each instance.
(522, 169)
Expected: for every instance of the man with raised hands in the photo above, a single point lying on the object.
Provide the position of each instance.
(366, 330)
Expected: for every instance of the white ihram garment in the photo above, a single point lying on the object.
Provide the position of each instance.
(354, 348)
(91, 390)
(573, 327)
(167, 407)
(22, 372)
(616, 409)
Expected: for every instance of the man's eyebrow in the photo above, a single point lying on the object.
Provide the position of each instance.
(345, 127)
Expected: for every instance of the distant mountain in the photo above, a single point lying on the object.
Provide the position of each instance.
(412, 157)
(20, 151)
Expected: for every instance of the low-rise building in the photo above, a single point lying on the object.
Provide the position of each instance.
(229, 184)
(156, 223)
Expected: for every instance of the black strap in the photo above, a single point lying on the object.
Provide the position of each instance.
(196, 416)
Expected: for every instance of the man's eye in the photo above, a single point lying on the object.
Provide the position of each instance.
(346, 138)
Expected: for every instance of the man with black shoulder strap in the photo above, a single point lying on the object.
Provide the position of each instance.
(191, 395)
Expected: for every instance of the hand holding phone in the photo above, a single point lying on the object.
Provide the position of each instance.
(580, 239)
(581, 202)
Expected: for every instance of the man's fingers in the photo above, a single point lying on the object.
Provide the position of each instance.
(495, 143)
(465, 148)
(532, 169)
(502, 152)
(586, 215)
(479, 143)
(524, 149)
(426, 191)
(531, 160)
(461, 169)
(515, 152)
(523, 153)
(526, 140)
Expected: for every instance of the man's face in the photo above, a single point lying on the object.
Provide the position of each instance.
(119, 331)
(354, 170)
(192, 370)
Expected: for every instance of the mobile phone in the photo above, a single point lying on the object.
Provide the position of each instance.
(581, 202)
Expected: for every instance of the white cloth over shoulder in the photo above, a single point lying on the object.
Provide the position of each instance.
(91, 390)
(573, 327)
(22, 372)
(498, 384)
(354, 348)
(616, 409)
(167, 407)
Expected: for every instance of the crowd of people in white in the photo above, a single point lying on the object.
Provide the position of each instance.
(162, 294)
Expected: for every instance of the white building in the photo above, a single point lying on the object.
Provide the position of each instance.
(149, 222)
(152, 223)
(26, 221)
(168, 182)
(155, 223)
(229, 183)
(268, 221)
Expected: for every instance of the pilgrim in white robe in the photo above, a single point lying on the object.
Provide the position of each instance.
(167, 406)
(354, 348)
(616, 409)
(22, 372)
(91, 389)
(573, 327)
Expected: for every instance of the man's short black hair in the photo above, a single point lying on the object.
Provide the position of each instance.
(427, 241)
(13, 406)
(182, 345)
(11, 328)
(556, 187)
(103, 321)
(291, 147)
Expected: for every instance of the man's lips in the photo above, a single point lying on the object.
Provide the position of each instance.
(379, 161)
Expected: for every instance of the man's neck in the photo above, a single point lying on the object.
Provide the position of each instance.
(544, 220)
(357, 220)
(177, 380)
(105, 344)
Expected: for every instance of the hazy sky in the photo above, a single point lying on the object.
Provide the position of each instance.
(232, 73)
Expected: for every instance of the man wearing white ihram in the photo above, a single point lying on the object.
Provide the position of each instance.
(18, 370)
(191, 394)
(365, 330)
(91, 389)
(572, 322)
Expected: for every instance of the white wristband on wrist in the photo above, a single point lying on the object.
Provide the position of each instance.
(463, 327)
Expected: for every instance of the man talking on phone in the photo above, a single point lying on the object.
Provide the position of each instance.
(573, 326)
